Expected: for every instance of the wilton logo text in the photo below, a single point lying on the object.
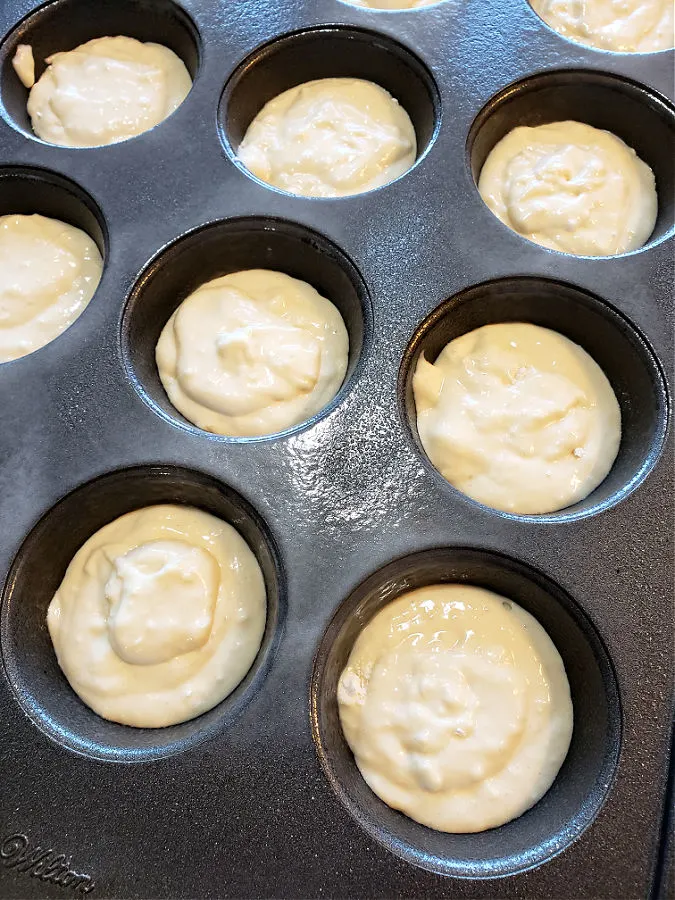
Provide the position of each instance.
(47, 865)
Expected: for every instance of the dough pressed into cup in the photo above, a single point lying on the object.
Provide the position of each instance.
(571, 187)
(630, 26)
(107, 90)
(252, 353)
(330, 138)
(518, 417)
(159, 616)
(49, 271)
(456, 706)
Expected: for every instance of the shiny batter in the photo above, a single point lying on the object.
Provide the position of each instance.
(159, 616)
(518, 417)
(571, 187)
(330, 138)
(107, 90)
(48, 274)
(624, 26)
(252, 353)
(457, 708)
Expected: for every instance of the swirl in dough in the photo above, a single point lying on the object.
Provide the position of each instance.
(624, 26)
(159, 616)
(517, 417)
(330, 138)
(456, 706)
(252, 353)
(107, 90)
(48, 274)
(571, 187)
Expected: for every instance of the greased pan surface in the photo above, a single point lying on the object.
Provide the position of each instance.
(259, 797)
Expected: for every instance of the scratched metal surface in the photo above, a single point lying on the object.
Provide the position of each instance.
(236, 804)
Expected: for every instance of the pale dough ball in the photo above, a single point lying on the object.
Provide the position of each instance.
(624, 26)
(48, 274)
(571, 187)
(107, 90)
(330, 138)
(159, 616)
(252, 353)
(456, 706)
(517, 417)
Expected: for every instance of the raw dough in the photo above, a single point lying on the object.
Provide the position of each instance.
(48, 274)
(625, 26)
(107, 90)
(24, 65)
(571, 187)
(457, 708)
(252, 353)
(330, 138)
(517, 417)
(159, 616)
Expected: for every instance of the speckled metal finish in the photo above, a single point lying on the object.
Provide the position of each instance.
(344, 511)
(665, 879)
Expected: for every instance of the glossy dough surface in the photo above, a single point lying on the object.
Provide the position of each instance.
(571, 187)
(159, 616)
(457, 708)
(330, 138)
(252, 353)
(48, 274)
(624, 26)
(518, 417)
(107, 90)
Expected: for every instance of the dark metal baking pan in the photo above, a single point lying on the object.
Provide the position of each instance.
(260, 797)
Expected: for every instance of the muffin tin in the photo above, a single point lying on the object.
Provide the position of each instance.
(260, 797)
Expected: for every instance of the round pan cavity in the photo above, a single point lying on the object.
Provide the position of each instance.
(26, 191)
(38, 569)
(640, 117)
(328, 52)
(573, 39)
(65, 24)
(231, 246)
(583, 782)
(610, 339)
